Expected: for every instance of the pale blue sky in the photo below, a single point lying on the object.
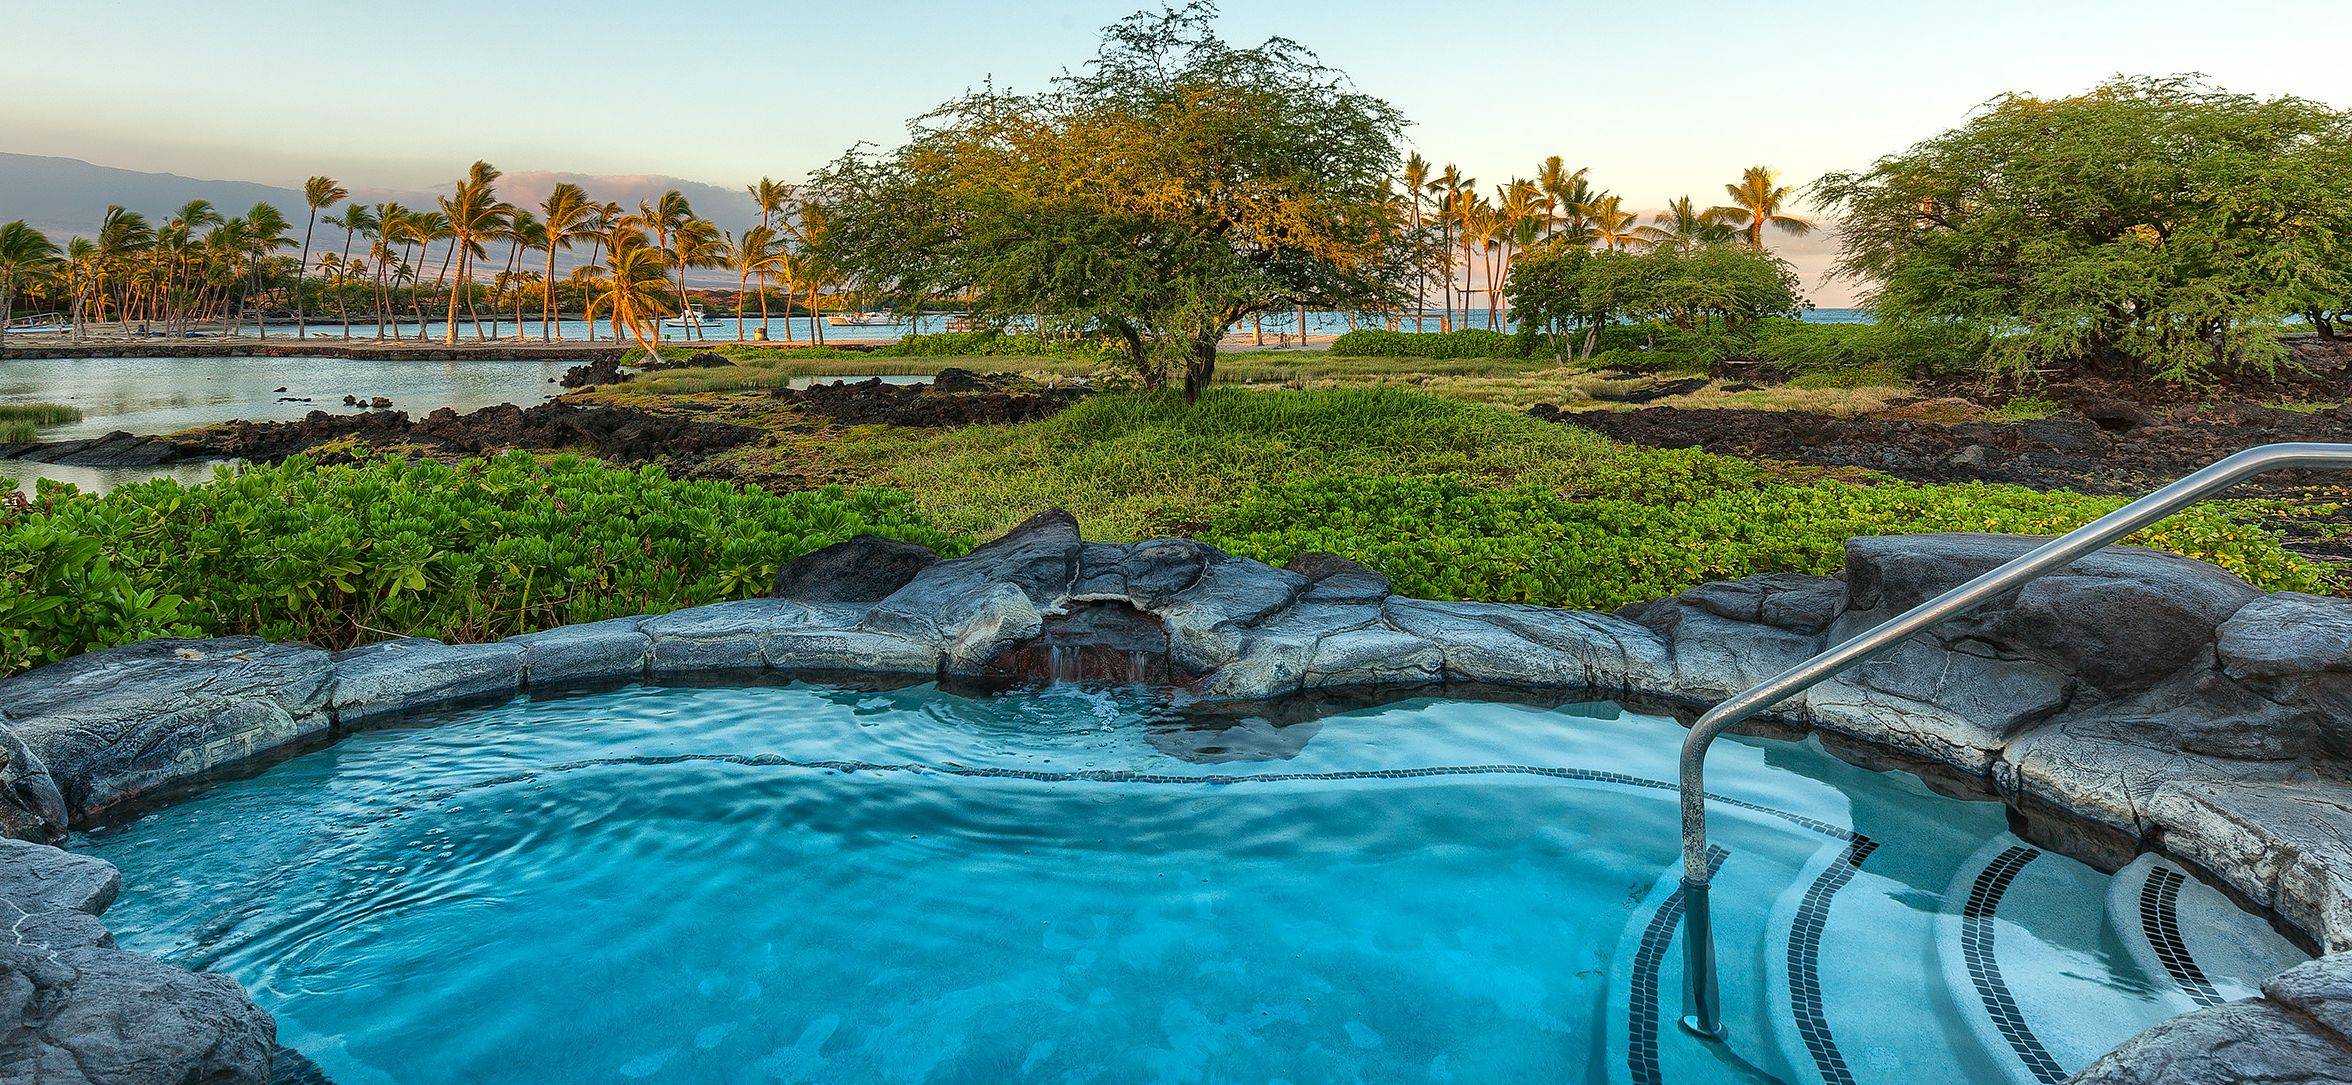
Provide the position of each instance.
(1660, 98)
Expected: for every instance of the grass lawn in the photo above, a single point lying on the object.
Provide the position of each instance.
(1452, 499)
(1504, 382)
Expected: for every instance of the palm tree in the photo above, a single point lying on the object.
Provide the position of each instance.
(1522, 219)
(424, 228)
(390, 234)
(521, 232)
(81, 276)
(770, 196)
(24, 254)
(475, 214)
(124, 238)
(318, 193)
(756, 253)
(566, 216)
(809, 266)
(667, 217)
(1684, 228)
(1571, 195)
(696, 242)
(1415, 181)
(1612, 225)
(1756, 203)
(180, 235)
(264, 232)
(608, 222)
(1448, 189)
(356, 219)
(631, 290)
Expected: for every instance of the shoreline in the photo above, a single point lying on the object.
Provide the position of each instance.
(46, 347)
(250, 347)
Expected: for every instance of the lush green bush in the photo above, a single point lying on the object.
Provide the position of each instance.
(1460, 343)
(339, 555)
(2155, 225)
(989, 344)
(1449, 538)
(1908, 349)
(1566, 297)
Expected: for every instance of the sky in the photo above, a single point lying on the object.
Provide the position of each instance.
(1658, 98)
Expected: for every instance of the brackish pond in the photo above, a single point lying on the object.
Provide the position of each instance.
(166, 395)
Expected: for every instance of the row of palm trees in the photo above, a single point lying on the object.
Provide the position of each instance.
(199, 266)
(196, 265)
(1559, 206)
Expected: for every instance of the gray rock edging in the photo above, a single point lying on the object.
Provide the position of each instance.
(2140, 693)
(76, 1010)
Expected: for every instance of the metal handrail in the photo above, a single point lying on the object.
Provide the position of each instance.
(1701, 997)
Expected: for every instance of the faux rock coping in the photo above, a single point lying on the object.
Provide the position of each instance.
(2138, 694)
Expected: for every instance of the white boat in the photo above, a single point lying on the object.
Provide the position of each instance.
(858, 320)
(690, 320)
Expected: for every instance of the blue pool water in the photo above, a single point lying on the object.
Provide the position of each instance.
(791, 883)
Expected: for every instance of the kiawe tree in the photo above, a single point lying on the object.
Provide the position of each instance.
(1173, 186)
(2153, 226)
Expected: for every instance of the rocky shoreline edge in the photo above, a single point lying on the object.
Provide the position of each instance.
(2136, 700)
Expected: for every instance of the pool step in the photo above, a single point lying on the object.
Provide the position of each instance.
(2041, 1001)
(1880, 964)
(2191, 940)
(1642, 1042)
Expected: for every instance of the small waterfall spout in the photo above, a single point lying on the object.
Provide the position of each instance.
(1107, 642)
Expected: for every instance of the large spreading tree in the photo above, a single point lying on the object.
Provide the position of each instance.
(1174, 185)
(2148, 226)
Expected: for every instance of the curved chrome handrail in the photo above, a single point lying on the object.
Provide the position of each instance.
(1701, 998)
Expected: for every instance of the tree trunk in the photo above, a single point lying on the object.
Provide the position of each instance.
(1200, 368)
(301, 304)
(449, 335)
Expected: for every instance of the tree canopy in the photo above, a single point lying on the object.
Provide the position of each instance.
(1560, 288)
(1172, 186)
(2148, 225)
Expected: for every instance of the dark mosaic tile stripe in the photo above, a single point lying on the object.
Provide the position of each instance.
(1125, 776)
(1804, 962)
(1976, 946)
(291, 1067)
(2160, 921)
(1641, 1017)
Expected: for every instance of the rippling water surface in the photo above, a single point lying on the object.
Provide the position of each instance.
(794, 883)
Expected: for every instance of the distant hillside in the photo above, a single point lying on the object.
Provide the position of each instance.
(64, 197)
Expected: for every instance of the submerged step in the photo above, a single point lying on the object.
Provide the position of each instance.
(2191, 938)
(2053, 964)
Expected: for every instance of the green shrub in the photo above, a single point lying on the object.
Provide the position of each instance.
(1448, 538)
(338, 555)
(1460, 343)
(2027, 409)
(1911, 350)
(989, 344)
